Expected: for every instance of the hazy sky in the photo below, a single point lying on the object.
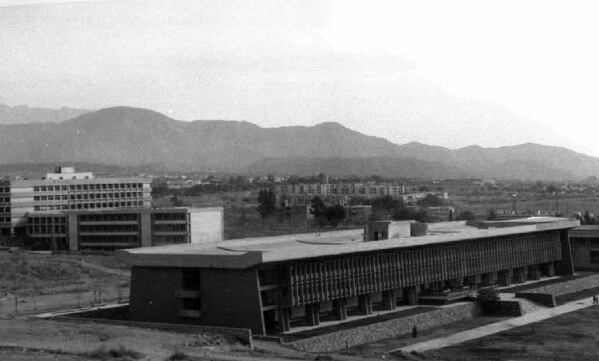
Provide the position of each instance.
(449, 73)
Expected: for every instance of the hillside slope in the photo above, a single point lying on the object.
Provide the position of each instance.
(124, 136)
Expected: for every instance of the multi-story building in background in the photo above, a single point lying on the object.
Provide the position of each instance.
(336, 191)
(5, 216)
(108, 229)
(65, 190)
(67, 210)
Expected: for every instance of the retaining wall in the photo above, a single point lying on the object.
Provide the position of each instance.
(507, 308)
(547, 294)
(387, 329)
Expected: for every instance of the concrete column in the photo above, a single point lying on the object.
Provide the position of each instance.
(566, 265)
(312, 315)
(550, 269)
(410, 294)
(456, 283)
(472, 281)
(505, 277)
(284, 322)
(72, 232)
(488, 279)
(389, 300)
(365, 304)
(520, 274)
(340, 308)
(145, 229)
(534, 273)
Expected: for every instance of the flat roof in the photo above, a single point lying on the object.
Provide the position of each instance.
(249, 252)
(586, 231)
(108, 211)
(45, 182)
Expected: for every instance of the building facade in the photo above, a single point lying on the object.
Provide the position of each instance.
(273, 285)
(5, 211)
(585, 247)
(66, 190)
(342, 191)
(108, 229)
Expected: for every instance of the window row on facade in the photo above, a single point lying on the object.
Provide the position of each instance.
(88, 196)
(108, 217)
(169, 216)
(170, 228)
(97, 205)
(85, 187)
(47, 220)
(46, 229)
(108, 228)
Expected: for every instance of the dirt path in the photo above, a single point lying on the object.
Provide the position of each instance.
(45, 303)
(100, 268)
(494, 328)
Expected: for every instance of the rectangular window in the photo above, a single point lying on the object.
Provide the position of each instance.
(595, 257)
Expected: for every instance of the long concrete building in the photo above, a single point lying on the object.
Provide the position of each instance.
(274, 285)
(109, 229)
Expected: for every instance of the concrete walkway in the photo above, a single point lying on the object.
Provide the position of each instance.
(497, 327)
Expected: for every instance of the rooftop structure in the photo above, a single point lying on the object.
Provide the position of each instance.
(274, 284)
(61, 173)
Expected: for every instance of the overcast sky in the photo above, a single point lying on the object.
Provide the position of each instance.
(450, 73)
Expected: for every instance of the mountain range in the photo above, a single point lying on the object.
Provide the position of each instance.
(23, 114)
(124, 136)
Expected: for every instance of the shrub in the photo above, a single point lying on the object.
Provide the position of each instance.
(178, 356)
(121, 352)
(488, 299)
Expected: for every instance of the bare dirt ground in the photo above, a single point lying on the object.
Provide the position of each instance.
(32, 282)
(44, 339)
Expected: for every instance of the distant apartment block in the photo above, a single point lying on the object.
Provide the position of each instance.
(67, 210)
(304, 192)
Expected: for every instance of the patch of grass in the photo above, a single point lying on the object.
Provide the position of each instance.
(122, 353)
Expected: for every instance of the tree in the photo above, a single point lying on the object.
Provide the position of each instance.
(176, 201)
(387, 203)
(587, 218)
(488, 299)
(318, 210)
(335, 214)
(405, 213)
(430, 200)
(266, 202)
(466, 215)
